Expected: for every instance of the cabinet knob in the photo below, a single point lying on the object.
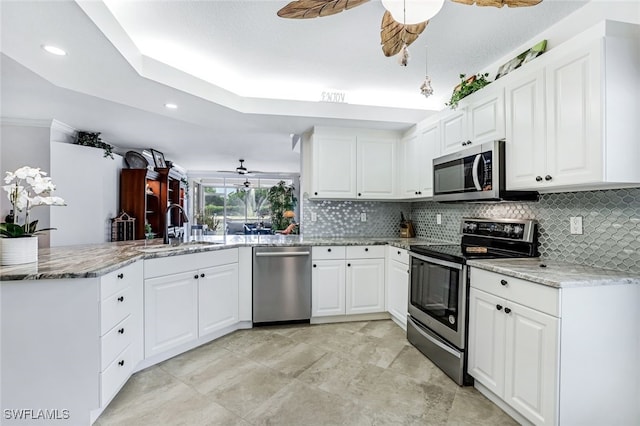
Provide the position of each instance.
(366, 249)
(121, 299)
(329, 250)
(504, 282)
(548, 178)
(315, 266)
(538, 178)
(398, 251)
(416, 192)
(507, 310)
(419, 192)
(121, 331)
(499, 307)
(121, 362)
(359, 194)
(464, 144)
(469, 143)
(348, 264)
(202, 275)
(195, 276)
(315, 193)
(120, 276)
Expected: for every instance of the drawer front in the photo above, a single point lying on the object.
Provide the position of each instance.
(114, 342)
(112, 378)
(535, 296)
(171, 265)
(365, 252)
(328, 252)
(117, 280)
(115, 308)
(398, 254)
(217, 258)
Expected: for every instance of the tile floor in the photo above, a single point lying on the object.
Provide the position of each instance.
(357, 373)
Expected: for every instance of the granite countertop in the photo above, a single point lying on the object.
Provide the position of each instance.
(556, 274)
(94, 260)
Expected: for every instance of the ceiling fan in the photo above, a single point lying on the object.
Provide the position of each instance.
(242, 170)
(402, 22)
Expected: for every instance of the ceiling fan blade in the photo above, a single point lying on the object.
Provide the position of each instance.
(500, 3)
(307, 9)
(394, 34)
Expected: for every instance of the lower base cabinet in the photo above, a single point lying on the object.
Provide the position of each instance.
(397, 287)
(556, 356)
(217, 298)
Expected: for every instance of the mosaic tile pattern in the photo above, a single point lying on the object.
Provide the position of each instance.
(342, 218)
(611, 223)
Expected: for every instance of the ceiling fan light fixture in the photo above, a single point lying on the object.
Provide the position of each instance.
(411, 12)
(241, 169)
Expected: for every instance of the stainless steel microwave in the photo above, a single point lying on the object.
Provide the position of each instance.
(475, 174)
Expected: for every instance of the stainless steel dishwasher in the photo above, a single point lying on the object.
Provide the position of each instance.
(281, 284)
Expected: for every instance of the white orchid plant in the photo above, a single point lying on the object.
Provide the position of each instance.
(27, 187)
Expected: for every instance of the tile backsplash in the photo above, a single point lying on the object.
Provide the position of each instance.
(611, 223)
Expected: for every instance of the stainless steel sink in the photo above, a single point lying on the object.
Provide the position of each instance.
(194, 245)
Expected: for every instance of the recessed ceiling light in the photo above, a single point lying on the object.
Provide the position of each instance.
(171, 106)
(54, 50)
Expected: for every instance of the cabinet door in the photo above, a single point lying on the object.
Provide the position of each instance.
(217, 298)
(526, 146)
(365, 286)
(487, 323)
(170, 312)
(574, 136)
(531, 363)
(454, 131)
(410, 167)
(328, 288)
(334, 167)
(429, 148)
(397, 299)
(486, 115)
(376, 168)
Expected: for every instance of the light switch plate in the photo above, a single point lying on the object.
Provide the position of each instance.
(576, 225)
(438, 219)
(314, 216)
(363, 217)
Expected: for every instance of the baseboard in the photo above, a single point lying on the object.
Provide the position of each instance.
(350, 318)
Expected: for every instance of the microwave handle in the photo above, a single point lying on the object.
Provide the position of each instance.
(474, 172)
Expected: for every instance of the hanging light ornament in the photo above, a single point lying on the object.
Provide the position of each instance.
(403, 56)
(426, 88)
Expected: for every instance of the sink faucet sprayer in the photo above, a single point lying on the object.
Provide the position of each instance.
(168, 219)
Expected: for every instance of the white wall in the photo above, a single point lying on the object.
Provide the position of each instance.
(25, 143)
(89, 184)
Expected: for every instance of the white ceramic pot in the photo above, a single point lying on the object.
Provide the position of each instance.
(16, 251)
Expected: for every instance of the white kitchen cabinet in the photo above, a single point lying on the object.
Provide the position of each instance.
(334, 166)
(376, 168)
(485, 114)
(217, 298)
(454, 131)
(170, 311)
(513, 351)
(347, 280)
(582, 118)
(397, 284)
(328, 280)
(541, 353)
(352, 164)
(419, 148)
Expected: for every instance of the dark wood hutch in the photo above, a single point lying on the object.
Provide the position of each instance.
(145, 194)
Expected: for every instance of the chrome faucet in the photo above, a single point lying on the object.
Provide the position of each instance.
(168, 219)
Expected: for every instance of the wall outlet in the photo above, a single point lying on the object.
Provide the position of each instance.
(438, 219)
(363, 217)
(576, 225)
(314, 216)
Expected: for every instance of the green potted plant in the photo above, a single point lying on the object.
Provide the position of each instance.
(466, 87)
(283, 202)
(93, 139)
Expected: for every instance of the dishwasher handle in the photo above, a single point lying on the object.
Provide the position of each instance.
(283, 254)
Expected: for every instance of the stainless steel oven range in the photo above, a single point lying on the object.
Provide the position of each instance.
(439, 287)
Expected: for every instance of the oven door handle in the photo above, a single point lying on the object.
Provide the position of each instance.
(475, 174)
(437, 261)
(434, 340)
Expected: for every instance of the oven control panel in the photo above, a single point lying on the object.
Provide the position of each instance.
(509, 229)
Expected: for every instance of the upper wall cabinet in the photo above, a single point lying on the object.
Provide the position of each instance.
(572, 116)
(352, 164)
(479, 118)
(419, 147)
